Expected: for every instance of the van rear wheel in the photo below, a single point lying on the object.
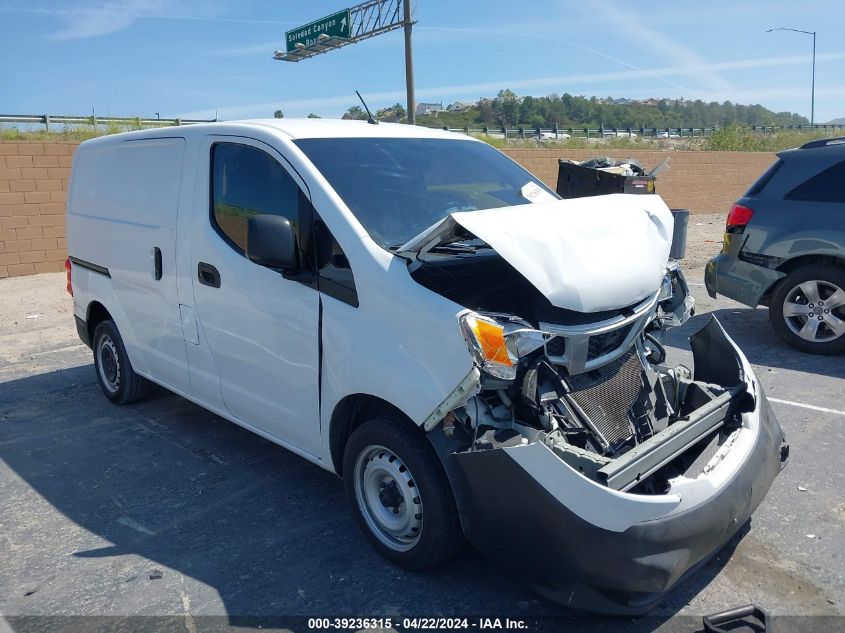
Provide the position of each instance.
(117, 379)
(400, 494)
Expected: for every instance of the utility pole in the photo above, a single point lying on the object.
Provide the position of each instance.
(409, 64)
(813, 88)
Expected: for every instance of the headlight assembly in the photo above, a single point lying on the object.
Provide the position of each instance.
(497, 344)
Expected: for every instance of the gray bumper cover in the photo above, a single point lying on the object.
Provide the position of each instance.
(578, 564)
(511, 515)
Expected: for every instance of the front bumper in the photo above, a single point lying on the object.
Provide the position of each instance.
(741, 281)
(596, 549)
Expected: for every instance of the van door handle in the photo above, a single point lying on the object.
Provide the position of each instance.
(157, 263)
(208, 275)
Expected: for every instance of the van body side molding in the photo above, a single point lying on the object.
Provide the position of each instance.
(90, 266)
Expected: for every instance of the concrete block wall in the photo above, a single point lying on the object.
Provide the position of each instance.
(34, 175)
(33, 188)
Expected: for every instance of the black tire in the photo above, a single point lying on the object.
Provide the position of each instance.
(115, 374)
(439, 533)
(828, 278)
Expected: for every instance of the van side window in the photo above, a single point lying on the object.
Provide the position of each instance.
(823, 187)
(245, 182)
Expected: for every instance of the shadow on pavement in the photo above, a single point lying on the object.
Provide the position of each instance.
(751, 330)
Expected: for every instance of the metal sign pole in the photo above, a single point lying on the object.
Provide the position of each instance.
(409, 65)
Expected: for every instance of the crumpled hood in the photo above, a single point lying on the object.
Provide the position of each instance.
(584, 254)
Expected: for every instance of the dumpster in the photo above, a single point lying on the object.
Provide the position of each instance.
(603, 175)
(575, 181)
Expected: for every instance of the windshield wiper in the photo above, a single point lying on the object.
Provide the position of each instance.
(460, 247)
(454, 248)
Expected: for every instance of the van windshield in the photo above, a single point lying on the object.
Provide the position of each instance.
(398, 187)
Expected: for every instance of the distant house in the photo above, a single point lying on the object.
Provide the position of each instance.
(651, 101)
(429, 108)
(623, 101)
(459, 106)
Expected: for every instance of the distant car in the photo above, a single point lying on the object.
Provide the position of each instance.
(619, 134)
(551, 136)
(668, 134)
(785, 247)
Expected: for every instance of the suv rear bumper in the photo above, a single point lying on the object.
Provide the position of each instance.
(741, 281)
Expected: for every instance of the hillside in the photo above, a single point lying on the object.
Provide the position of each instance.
(567, 110)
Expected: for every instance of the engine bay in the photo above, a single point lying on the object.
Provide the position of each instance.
(601, 397)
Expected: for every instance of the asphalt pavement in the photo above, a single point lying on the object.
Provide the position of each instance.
(164, 509)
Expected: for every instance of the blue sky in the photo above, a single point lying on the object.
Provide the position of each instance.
(191, 58)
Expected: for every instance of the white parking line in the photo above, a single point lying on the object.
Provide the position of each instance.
(807, 406)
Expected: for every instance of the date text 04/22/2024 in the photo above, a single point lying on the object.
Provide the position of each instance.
(419, 623)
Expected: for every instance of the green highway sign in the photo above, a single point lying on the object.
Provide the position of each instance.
(335, 25)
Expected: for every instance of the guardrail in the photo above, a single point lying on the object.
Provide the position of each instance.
(48, 119)
(527, 132)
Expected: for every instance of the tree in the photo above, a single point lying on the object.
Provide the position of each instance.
(355, 112)
(392, 114)
(529, 109)
(485, 111)
(506, 107)
(313, 116)
(398, 110)
(537, 121)
(278, 114)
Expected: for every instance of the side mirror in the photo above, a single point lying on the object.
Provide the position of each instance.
(270, 242)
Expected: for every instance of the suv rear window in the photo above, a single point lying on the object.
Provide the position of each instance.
(763, 180)
(827, 186)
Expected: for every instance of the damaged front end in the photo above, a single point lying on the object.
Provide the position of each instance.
(590, 467)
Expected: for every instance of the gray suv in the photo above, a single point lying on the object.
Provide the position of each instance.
(785, 247)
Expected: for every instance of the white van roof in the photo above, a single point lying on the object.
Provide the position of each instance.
(293, 129)
(337, 128)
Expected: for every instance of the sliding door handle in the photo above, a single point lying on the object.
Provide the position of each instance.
(157, 270)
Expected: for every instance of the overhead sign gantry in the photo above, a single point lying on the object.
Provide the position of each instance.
(301, 41)
(349, 26)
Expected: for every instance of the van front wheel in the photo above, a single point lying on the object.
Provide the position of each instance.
(400, 493)
(117, 379)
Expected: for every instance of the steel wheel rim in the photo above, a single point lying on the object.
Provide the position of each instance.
(387, 496)
(108, 365)
(814, 310)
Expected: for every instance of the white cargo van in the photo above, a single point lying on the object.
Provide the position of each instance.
(417, 313)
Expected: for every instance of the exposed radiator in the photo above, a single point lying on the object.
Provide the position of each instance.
(607, 395)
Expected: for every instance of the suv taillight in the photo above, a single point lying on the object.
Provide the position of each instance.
(69, 288)
(738, 218)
